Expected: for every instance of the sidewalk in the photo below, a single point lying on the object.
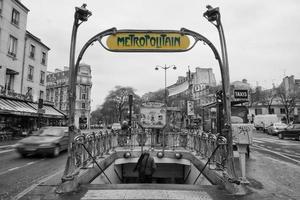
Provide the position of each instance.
(272, 179)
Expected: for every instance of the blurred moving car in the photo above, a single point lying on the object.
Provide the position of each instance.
(46, 141)
(292, 131)
(275, 128)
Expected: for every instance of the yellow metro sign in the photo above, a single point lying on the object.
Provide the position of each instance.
(148, 41)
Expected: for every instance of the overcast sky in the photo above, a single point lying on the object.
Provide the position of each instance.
(262, 39)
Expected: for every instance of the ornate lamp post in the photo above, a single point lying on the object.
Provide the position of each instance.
(165, 68)
(81, 15)
(213, 16)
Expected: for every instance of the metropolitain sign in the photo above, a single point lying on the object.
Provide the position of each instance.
(148, 41)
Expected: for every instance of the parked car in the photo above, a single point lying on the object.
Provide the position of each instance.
(292, 131)
(116, 126)
(275, 128)
(261, 122)
(45, 141)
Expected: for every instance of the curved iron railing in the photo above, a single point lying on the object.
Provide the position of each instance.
(104, 142)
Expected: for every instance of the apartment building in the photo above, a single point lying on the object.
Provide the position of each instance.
(34, 67)
(57, 92)
(23, 66)
(13, 21)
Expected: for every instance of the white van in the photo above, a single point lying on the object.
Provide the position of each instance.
(262, 122)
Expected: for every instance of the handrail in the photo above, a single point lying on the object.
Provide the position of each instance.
(206, 164)
(94, 160)
(119, 177)
(98, 144)
(186, 177)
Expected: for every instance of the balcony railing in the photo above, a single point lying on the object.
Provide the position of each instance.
(12, 94)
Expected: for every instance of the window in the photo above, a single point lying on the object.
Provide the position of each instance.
(48, 95)
(12, 50)
(296, 126)
(30, 73)
(29, 91)
(282, 110)
(43, 58)
(1, 7)
(258, 111)
(42, 78)
(272, 111)
(31, 51)
(9, 82)
(41, 94)
(15, 17)
(83, 92)
(83, 105)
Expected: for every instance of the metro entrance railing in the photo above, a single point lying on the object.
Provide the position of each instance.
(97, 144)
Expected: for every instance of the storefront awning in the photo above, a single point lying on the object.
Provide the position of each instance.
(10, 106)
(49, 111)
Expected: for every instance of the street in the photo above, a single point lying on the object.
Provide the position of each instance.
(287, 150)
(18, 175)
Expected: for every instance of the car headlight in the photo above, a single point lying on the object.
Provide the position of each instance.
(46, 145)
(18, 145)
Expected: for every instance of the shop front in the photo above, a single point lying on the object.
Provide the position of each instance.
(20, 117)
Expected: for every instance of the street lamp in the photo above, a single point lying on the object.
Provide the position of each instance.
(81, 15)
(213, 16)
(165, 68)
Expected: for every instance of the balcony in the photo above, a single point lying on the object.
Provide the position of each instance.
(12, 94)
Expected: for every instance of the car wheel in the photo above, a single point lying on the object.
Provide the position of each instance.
(56, 151)
(280, 135)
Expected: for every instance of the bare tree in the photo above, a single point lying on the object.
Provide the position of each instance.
(267, 98)
(118, 100)
(288, 100)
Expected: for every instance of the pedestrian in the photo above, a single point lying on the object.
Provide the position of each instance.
(145, 167)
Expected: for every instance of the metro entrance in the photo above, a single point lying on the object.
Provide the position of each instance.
(150, 41)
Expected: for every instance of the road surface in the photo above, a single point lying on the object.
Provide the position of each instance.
(18, 175)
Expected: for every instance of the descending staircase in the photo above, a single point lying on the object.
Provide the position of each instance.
(153, 191)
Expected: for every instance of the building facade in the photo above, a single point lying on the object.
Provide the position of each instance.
(23, 66)
(283, 101)
(57, 92)
(23, 56)
(197, 86)
(13, 21)
(34, 67)
(191, 92)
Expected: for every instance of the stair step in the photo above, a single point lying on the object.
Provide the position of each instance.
(154, 191)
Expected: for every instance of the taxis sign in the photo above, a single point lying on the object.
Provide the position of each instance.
(148, 41)
(241, 94)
